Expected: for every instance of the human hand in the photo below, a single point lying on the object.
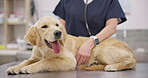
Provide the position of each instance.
(83, 54)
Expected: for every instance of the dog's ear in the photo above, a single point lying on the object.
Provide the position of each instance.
(32, 36)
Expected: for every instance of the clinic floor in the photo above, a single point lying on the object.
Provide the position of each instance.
(140, 72)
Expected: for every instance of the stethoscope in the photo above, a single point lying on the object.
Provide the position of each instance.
(85, 18)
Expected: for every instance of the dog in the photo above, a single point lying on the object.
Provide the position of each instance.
(55, 50)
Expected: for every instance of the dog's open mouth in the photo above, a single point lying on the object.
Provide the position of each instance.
(53, 45)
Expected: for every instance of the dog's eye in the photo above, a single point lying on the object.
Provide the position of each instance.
(57, 25)
(45, 26)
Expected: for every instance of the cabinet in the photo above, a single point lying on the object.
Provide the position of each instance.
(2, 40)
(16, 26)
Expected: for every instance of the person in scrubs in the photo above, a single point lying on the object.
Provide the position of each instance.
(103, 16)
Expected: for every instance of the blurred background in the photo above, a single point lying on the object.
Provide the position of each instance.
(16, 16)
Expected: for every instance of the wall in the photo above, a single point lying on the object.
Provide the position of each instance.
(139, 16)
(137, 19)
(45, 7)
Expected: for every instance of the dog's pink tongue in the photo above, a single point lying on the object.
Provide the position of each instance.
(56, 46)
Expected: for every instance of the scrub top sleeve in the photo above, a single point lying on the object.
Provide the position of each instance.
(115, 11)
(59, 10)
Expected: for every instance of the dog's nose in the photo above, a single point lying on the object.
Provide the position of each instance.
(57, 34)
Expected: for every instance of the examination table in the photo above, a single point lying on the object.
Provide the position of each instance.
(141, 71)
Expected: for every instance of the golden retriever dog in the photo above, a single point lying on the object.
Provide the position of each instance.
(55, 50)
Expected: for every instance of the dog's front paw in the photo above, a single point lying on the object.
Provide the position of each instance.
(13, 70)
(110, 68)
(28, 70)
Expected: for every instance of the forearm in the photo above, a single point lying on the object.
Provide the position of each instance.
(109, 29)
(106, 33)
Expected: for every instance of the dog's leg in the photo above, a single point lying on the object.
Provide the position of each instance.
(125, 64)
(54, 64)
(91, 68)
(91, 65)
(16, 69)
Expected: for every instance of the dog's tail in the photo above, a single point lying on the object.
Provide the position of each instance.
(91, 68)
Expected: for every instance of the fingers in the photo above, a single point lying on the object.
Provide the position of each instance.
(86, 60)
(78, 58)
(82, 59)
(83, 55)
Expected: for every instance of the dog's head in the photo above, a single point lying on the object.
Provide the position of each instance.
(47, 31)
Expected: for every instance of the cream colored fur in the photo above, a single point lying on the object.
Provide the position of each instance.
(111, 54)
